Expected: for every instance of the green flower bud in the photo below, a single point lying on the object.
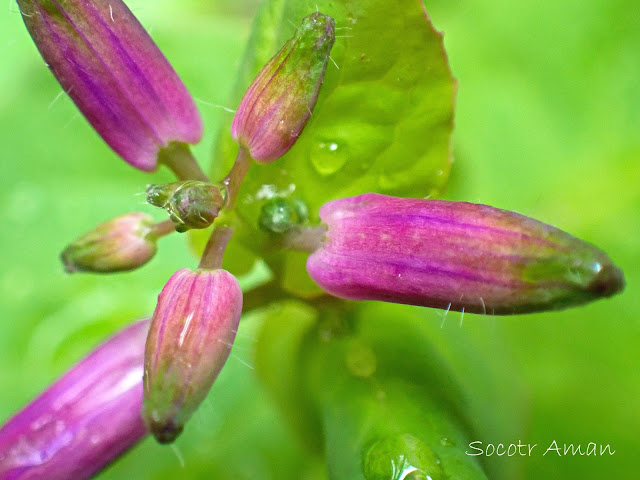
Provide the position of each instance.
(190, 204)
(280, 214)
(123, 243)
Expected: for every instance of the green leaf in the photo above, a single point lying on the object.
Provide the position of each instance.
(382, 124)
(368, 384)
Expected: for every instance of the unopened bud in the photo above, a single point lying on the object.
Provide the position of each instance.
(281, 214)
(278, 104)
(124, 243)
(192, 331)
(116, 75)
(455, 256)
(190, 204)
(85, 420)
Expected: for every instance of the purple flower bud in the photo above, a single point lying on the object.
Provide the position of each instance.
(278, 104)
(83, 421)
(115, 74)
(191, 334)
(455, 255)
(123, 243)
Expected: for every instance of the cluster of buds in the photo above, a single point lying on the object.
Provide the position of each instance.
(447, 255)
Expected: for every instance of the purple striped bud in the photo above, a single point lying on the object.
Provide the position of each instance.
(83, 421)
(115, 74)
(278, 104)
(455, 255)
(191, 335)
(123, 243)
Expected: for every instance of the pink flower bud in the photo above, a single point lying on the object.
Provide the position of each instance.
(116, 75)
(278, 104)
(124, 243)
(455, 255)
(191, 334)
(83, 421)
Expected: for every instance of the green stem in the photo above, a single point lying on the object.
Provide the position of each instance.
(214, 250)
(305, 238)
(162, 229)
(178, 157)
(234, 179)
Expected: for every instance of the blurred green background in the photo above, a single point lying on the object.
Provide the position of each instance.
(548, 124)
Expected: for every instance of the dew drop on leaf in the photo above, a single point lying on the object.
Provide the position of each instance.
(402, 457)
(328, 157)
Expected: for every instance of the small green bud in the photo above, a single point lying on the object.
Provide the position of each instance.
(280, 214)
(123, 243)
(190, 204)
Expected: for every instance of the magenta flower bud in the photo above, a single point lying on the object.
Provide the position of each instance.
(116, 75)
(455, 255)
(191, 334)
(123, 243)
(278, 104)
(83, 421)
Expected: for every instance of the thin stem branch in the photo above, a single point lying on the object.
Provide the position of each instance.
(162, 229)
(262, 296)
(214, 250)
(178, 157)
(236, 176)
(305, 238)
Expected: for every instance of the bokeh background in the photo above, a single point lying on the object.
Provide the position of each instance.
(548, 124)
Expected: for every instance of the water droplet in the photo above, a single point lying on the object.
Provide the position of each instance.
(402, 457)
(328, 157)
(360, 360)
